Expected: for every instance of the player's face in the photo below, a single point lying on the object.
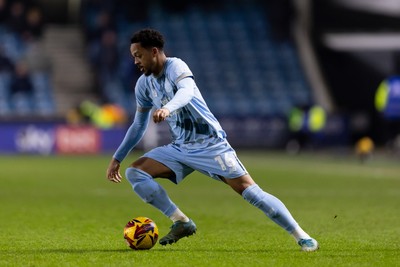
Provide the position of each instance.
(145, 59)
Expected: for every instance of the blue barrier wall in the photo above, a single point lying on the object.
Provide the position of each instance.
(58, 138)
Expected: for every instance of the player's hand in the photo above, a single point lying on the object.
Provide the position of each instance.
(113, 171)
(160, 115)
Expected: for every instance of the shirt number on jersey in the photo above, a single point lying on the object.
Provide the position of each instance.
(226, 161)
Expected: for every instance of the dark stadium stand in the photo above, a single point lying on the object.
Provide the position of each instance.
(25, 84)
(239, 66)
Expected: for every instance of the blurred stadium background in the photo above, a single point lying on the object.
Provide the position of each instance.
(298, 74)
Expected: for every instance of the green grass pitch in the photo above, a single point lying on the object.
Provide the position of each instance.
(61, 211)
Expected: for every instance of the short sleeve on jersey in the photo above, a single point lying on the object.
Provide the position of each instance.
(142, 99)
(178, 70)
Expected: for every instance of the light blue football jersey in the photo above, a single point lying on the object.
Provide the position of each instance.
(189, 124)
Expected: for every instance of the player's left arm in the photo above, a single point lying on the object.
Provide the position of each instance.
(184, 94)
(132, 137)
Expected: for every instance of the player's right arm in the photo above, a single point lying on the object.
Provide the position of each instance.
(132, 137)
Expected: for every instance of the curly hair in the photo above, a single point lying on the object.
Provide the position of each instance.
(148, 38)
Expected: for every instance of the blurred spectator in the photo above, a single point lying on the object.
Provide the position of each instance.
(107, 60)
(103, 116)
(129, 73)
(6, 64)
(305, 124)
(34, 24)
(103, 21)
(387, 103)
(3, 11)
(21, 80)
(104, 56)
(364, 148)
(22, 55)
(387, 98)
(101, 39)
(16, 19)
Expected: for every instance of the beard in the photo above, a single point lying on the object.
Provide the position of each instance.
(146, 72)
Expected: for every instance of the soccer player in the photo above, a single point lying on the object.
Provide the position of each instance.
(199, 143)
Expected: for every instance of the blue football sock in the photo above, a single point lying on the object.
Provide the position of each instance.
(271, 206)
(150, 191)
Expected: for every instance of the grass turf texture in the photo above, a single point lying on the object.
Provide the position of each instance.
(61, 211)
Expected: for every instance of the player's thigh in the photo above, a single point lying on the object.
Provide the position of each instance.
(153, 167)
(216, 161)
(171, 160)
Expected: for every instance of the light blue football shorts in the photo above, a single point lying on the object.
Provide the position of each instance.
(214, 157)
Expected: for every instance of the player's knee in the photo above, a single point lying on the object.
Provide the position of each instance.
(135, 176)
(241, 183)
(142, 183)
